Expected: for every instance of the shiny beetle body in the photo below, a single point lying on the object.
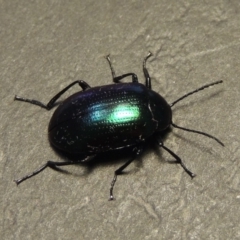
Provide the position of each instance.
(108, 118)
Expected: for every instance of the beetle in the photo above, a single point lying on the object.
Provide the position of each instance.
(107, 118)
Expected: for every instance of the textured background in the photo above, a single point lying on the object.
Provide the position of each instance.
(45, 45)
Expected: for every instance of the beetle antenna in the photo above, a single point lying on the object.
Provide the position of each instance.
(199, 132)
(197, 90)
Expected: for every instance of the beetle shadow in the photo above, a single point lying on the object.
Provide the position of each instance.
(101, 160)
(116, 157)
(121, 156)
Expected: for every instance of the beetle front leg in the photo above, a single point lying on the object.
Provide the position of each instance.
(50, 104)
(117, 79)
(177, 158)
(137, 151)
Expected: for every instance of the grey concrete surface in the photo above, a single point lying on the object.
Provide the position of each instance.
(45, 45)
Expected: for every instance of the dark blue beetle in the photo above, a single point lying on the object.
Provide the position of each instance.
(108, 118)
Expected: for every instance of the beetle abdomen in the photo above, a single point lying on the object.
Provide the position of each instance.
(102, 119)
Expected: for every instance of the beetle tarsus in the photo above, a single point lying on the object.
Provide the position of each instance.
(51, 164)
(31, 101)
(111, 198)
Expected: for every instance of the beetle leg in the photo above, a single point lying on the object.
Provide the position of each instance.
(117, 79)
(145, 71)
(177, 158)
(51, 103)
(111, 67)
(51, 164)
(137, 151)
(134, 77)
